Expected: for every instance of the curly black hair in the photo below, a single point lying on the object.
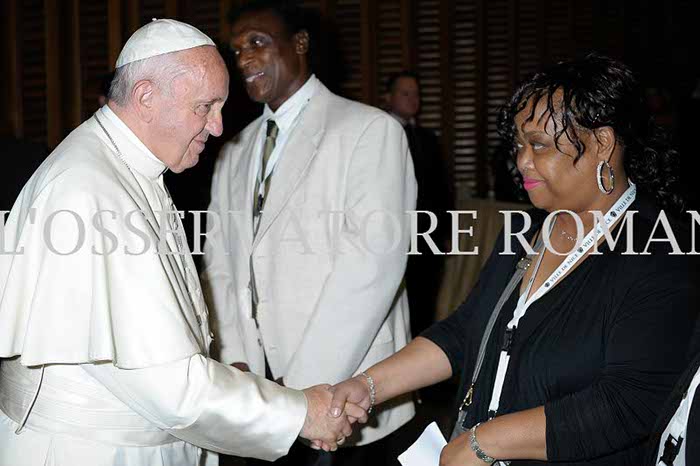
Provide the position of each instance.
(594, 92)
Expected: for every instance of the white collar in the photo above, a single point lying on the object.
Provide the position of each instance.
(141, 159)
(287, 112)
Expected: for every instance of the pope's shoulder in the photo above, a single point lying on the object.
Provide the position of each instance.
(81, 163)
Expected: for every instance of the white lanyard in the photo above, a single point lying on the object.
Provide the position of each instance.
(592, 238)
(676, 429)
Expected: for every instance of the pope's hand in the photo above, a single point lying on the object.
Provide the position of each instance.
(322, 429)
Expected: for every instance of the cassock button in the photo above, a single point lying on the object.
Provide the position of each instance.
(259, 342)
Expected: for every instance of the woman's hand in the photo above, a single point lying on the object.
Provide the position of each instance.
(520, 435)
(459, 453)
(355, 390)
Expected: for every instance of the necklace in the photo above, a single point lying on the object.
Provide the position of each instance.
(114, 144)
(567, 236)
(564, 234)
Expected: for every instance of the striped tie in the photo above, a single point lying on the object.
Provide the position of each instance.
(259, 199)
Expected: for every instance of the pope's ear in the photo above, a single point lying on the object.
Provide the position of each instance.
(142, 98)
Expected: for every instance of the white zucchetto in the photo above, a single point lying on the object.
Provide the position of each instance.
(161, 36)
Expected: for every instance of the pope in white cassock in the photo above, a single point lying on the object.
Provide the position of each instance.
(103, 330)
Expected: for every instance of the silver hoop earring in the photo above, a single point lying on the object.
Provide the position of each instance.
(599, 177)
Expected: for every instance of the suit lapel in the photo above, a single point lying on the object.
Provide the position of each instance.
(299, 151)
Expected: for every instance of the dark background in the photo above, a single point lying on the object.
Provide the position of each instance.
(469, 53)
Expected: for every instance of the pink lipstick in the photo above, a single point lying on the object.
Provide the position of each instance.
(531, 183)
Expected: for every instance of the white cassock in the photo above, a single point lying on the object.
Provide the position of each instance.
(106, 340)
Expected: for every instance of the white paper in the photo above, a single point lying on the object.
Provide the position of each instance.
(426, 450)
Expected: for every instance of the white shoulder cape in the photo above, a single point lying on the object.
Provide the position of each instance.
(58, 305)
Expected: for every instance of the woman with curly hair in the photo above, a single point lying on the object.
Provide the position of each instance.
(566, 357)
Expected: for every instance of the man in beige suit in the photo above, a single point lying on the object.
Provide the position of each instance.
(304, 275)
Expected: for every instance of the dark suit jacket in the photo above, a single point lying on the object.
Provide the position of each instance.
(434, 190)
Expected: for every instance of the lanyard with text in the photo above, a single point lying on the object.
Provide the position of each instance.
(675, 433)
(615, 212)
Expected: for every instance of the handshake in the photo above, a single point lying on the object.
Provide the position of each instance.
(332, 410)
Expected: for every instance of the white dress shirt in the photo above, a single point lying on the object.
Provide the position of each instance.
(286, 117)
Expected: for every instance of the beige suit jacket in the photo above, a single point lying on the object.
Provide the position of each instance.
(329, 255)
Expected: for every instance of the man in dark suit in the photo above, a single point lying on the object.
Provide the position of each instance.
(424, 271)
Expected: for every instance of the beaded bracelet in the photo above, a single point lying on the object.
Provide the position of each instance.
(372, 391)
(474, 445)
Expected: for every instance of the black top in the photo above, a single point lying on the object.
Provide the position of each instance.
(601, 350)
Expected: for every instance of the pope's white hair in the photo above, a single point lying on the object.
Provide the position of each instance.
(161, 70)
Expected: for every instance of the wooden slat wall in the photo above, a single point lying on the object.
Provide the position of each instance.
(152, 9)
(313, 4)
(94, 52)
(497, 44)
(466, 89)
(429, 55)
(204, 14)
(469, 54)
(32, 44)
(583, 31)
(349, 33)
(527, 43)
(11, 100)
(52, 63)
(388, 43)
(559, 38)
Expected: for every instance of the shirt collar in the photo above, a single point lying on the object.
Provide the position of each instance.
(290, 109)
(135, 153)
